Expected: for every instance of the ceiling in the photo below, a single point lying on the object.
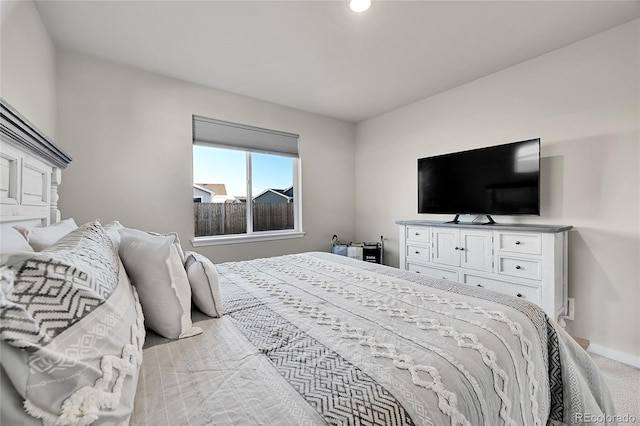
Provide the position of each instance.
(321, 57)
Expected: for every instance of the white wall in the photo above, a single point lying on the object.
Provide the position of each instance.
(130, 135)
(583, 101)
(28, 65)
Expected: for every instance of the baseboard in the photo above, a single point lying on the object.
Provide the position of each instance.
(622, 357)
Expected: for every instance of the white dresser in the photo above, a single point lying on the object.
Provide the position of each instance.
(526, 261)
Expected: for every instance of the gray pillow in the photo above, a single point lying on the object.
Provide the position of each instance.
(156, 270)
(205, 286)
(71, 333)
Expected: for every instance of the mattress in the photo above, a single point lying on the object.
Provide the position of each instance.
(316, 338)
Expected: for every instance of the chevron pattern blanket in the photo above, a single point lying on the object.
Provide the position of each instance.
(316, 338)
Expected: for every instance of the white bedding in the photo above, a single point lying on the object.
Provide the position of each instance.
(316, 338)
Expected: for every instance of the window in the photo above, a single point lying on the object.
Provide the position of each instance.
(245, 183)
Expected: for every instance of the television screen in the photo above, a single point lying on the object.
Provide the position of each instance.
(499, 180)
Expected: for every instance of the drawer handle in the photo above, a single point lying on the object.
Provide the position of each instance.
(479, 285)
(456, 248)
(519, 294)
(518, 243)
(417, 234)
(417, 252)
(518, 267)
(461, 248)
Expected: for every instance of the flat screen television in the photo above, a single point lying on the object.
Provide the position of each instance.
(497, 180)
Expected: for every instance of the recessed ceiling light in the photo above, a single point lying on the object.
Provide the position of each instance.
(359, 5)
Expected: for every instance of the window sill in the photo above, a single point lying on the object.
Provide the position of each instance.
(243, 238)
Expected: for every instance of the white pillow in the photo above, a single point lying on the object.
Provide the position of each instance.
(205, 287)
(11, 240)
(41, 237)
(153, 264)
(113, 231)
(176, 243)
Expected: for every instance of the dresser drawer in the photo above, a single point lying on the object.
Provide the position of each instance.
(520, 243)
(523, 261)
(418, 252)
(418, 234)
(529, 293)
(445, 274)
(520, 267)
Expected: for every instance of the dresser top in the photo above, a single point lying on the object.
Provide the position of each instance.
(523, 227)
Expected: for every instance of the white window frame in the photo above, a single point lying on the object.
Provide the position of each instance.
(251, 235)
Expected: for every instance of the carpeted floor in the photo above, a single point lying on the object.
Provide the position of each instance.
(624, 382)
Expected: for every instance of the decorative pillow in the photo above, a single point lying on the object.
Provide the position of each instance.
(155, 269)
(41, 237)
(113, 231)
(176, 243)
(12, 240)
(71, 333)
(205, 287)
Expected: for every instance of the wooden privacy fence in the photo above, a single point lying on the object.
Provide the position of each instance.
(231, 218)
(271, 217)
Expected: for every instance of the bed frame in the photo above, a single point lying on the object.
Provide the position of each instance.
(30, 172)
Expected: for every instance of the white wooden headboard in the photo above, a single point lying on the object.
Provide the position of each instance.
(30, 171)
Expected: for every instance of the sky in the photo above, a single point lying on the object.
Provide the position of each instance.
(215, 165)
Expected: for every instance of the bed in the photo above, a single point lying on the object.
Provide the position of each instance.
(105, 324)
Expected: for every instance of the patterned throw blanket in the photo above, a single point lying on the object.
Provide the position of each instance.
(328, 340)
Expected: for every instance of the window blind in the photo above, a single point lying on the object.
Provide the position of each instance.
(224, 134)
